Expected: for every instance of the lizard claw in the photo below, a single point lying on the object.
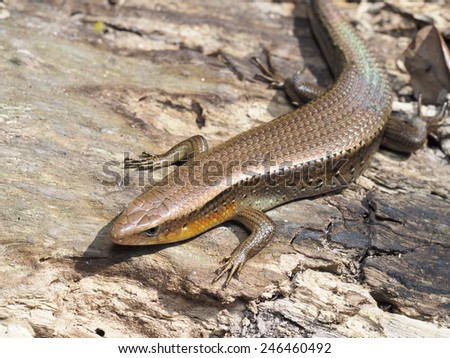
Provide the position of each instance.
(432, 121)
(145, 162)
(268, 73)
(233, 266)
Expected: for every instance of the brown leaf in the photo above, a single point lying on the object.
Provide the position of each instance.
(428, 61)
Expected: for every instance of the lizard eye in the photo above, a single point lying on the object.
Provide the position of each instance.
(152, 231)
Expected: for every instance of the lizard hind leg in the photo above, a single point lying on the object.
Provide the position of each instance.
(410, 134)
(298, 91)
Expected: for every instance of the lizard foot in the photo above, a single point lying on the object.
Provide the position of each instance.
(145, 162)
(268, 72)
(233, 266)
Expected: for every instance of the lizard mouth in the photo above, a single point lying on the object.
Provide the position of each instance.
(124, 233)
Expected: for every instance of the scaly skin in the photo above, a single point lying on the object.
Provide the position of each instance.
(326, 142)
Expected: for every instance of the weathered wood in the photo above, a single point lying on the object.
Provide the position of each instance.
(85, 83)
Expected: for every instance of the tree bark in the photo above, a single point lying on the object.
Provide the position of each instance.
(86, 83)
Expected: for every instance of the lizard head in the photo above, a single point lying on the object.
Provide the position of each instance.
(171, 211)
(166, 214)
(150, 219)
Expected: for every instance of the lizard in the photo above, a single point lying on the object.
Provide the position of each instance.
(320, 147)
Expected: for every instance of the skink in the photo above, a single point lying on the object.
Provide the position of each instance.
(318, 148)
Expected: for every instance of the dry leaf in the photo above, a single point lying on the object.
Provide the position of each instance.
(427, 60)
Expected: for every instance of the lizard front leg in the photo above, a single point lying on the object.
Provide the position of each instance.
(262, 231)
(180, 152)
